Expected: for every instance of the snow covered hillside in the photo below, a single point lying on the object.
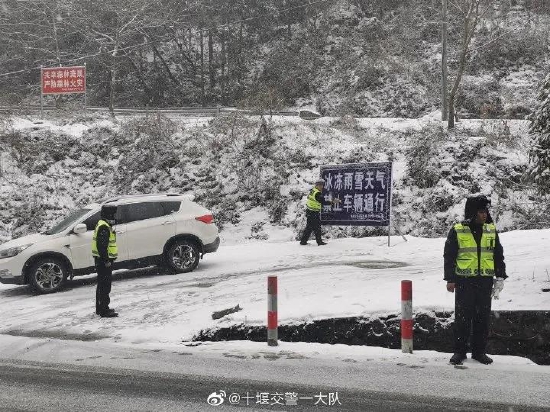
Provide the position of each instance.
(254, 174)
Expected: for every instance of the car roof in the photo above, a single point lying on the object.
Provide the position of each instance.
(159, 197)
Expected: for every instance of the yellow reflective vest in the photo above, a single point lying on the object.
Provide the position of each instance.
(312, 203)
(112, 249)
(468, 263)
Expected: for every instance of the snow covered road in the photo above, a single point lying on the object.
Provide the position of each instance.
(348, 277)
(90, 375)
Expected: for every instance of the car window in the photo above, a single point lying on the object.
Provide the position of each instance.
(141, 211)
(91, 222)
(122, 214)
(68, 221)
(170, 207)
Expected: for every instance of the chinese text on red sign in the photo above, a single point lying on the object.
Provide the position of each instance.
(62, 80)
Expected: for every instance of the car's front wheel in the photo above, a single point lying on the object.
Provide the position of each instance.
(183, 256)
(47, 275)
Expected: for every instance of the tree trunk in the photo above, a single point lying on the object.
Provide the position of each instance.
(470, 23)
(454, 90)
(451, 117)
(57, 99)
(190, 68)
(141, 78)
(288, 25)
(112, 82)
(211, 68)
(203, 99)
(223, 67)
(444, 87)
(240, 54)
(165, 65)
(112, 75)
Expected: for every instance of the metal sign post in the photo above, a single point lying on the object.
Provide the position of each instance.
(390, 203)
(85, 88)
(41, 92)
(407, 321)
(272, 321)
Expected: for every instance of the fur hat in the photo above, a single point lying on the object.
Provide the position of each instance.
(320, 182)
(475, 203)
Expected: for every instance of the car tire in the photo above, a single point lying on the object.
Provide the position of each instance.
(47, 275)
(182, 256)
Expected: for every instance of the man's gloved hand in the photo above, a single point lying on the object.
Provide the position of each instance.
(498, 285)
(108, 264)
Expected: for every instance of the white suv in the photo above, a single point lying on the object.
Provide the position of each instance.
(168, 230)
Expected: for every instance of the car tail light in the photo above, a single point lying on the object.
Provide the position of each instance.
(206, 219)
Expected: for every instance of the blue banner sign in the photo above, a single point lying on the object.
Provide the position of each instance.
(364, 191)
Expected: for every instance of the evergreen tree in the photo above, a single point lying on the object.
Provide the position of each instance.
(540, 129)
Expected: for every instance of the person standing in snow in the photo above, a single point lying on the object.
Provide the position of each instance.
(315, 201)
(104, 251)
(475, 272)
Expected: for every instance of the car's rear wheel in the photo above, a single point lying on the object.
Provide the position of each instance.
(183, 256)
(47, 275)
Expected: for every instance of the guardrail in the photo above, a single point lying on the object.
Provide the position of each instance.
(186, 111)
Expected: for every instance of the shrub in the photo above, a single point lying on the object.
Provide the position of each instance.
(480, 97)
(147, 146)
(422, 167)
(35, 153)
(517, 48)
(540, 129)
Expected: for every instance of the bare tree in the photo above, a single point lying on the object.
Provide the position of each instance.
(33, 34)
(470, 12)
(114, 29)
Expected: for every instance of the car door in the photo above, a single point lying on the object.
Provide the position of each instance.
(148, 229)
(81, 244)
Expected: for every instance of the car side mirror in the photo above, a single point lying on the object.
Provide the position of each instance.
(80, 228)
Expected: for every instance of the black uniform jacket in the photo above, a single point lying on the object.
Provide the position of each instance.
(102, 240)
(451, 252)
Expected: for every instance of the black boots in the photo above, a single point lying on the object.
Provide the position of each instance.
(482, 358)
(112, 314)
(458, 358)
(109, 313)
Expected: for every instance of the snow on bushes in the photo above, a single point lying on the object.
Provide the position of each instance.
(238, 165)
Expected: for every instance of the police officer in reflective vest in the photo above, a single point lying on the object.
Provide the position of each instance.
(104, 251)
(475, 272)
(315, 202)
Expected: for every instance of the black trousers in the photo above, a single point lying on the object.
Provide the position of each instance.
(313, 225)
(104, 279)
(472, 313)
